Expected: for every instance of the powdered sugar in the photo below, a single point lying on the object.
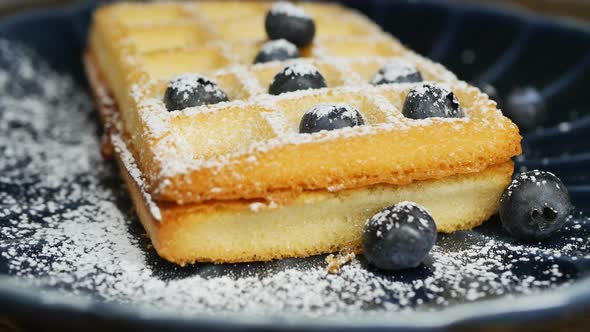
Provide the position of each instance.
(300, 69)
(439, 95)
(393, 71)
(289, 9)
(279, 44)
(174, 163)
(400, 212)
(186, 84)
(325, 109)
(131, 167)
(178, 163)
(525, 177)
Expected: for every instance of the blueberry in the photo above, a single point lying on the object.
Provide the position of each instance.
(397, 71)
(399, 237)
(277, 50)
(431, 100)
(298, 76)
(287, 21)
(534, 205)
(190, 90)
(526, 108)
(330, 117)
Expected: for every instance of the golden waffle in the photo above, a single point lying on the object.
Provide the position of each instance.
(191, 166)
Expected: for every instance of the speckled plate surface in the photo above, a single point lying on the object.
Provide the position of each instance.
(73, 254)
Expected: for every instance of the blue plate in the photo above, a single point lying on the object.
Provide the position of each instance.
(504, 48)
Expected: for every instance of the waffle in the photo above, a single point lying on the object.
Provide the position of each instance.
(200, 172)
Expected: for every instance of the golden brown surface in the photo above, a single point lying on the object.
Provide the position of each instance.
(250, 148)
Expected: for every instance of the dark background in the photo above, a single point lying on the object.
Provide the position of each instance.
(577, 9)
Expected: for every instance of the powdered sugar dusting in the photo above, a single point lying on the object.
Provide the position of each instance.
(277, 121)
(186, 83)
(251, 85)
(66, 224)
(530, 177)
(393, 71)
(155, 117)
(300, 69)
(246, 89)
(178, 163)
(325, 109)
(392, 216)
(440, 96)
(289, 9)
(131, 167)
(279, 44)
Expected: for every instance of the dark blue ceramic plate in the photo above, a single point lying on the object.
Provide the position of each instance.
(52, 178)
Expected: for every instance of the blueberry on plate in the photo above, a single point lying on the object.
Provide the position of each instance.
(397, 71)
(534, 205)
(297, 76)
(188, 90)
(431, 100)
(290, 22)
(526, 108)
(277, 50)
(399, 237)
(330, 117)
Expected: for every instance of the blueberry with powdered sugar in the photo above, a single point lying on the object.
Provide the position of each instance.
(431, 100)
(290, 22)
(399, 237)
(277, 50)
(534, 206)
(297, 76)
(397, 71)
(330, 117)
(189, 90)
